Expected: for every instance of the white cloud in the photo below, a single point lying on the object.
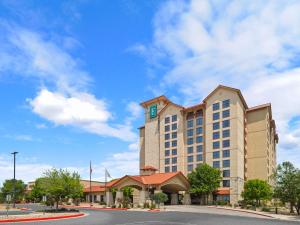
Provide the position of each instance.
(64, 98)
(135, 109)
(253, 46)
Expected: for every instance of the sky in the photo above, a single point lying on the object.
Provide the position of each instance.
(73, 72)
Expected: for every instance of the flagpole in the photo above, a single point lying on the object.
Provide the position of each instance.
(105, 180)
(91, 182)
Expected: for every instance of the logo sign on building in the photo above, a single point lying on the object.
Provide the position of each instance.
(153, 111)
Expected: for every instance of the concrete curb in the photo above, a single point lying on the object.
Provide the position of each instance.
(42, 218)
(94, 208)
(244, 211)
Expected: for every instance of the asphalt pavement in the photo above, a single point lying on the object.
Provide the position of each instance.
(159, 218)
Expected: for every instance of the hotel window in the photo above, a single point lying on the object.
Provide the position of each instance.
(174, 118)
(216, 106)
(190, 168)
(167, 120)
(174, 168)
(216, 155)
(190, 158)
(199, 121)
(199, 130)
(199, 164)
(174, 135)
(174, 126)
(199, 139)
(190, 150)
(199, 157)
(226, 113)
(167, 144)
(174, 160)
(216, 135)
(216, 126)
(226, 153)
(190, 141)
(167, 136)
(216, 116)
(190, 133)
(226, 183)
(226, 103)
(190, 123)
(174, 143)
(226, 123)
(167, 169)
(226, 133)
(174, 151)
(226, 144)
(216, 164)
(216, 144)
(199, 148)
(167, 152)
(167, 128)
(167, 161)
(226, 173)
(226, 163)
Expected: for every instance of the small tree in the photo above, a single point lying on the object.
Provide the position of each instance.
(160, 198)
(204, 180)
(59, 184)
(257, 190)
(8, 188)
(287, 184)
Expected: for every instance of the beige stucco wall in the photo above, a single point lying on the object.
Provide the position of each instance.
(168, 112)
(152, 143)
(261, 154)
(236, 138)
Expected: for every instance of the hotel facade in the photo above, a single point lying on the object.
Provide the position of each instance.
(221, 131)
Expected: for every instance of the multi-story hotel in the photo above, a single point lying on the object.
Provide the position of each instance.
(221, 131)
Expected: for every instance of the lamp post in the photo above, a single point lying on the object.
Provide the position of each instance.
(14, 181)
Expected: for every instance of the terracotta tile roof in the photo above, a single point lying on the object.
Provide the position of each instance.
(94, 189)
(223, 191)
(148, 168)
(158, 178)
(154, 179)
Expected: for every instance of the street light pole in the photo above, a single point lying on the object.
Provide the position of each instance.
(14, 181)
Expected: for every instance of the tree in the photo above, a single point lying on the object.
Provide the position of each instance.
(37, 192)
(204, 180)
(8, 188)
(160, 197)
(287, 184)
(60, 184)
(257, 190)
(297, 205)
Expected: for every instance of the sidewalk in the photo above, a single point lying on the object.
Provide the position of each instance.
(230, 211)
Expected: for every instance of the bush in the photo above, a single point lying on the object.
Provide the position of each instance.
(59, 210)
(160, 198)
(266, 209)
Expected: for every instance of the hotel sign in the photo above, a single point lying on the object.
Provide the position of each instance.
(153, 111)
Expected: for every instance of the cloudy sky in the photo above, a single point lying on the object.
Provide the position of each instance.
(72, 74)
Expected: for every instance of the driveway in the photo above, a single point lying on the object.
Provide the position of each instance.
(161, 218)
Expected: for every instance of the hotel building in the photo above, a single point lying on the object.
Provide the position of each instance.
(221, 131)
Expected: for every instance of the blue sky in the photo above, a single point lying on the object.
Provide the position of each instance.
(72, 74)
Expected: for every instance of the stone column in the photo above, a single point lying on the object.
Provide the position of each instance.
(187, 199)
(143, 196)
(119, 197)
(174, 199)
(109, 198)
